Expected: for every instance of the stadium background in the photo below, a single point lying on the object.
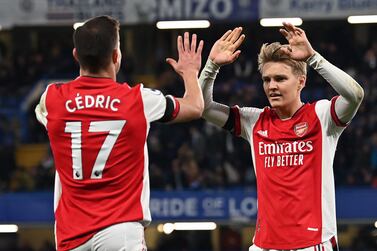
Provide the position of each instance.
(197, 172)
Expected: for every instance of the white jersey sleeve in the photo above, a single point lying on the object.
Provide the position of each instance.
(351, 93)
(328, 117)
(41, 110)
(154, 103)
(241, 121)
(248, 118)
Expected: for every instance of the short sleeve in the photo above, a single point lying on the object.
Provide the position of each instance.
(154, 103)
(325, 110)
(241, 120)
(41, 109)
(157, 106)
(248, 117)
(334, 115)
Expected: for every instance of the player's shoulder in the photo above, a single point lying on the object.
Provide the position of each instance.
(321, 105)
(61, 85)
(58, 85)
(251, 109)
(265, 111)
(320, 102)
(147, 91)
(54, 88)
(252, 114)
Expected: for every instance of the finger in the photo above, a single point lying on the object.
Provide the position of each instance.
(287, 46)
(172, 62)
(285, 33)
(293, 27)
(239, 41)
(193, 43)
(186, 41)
(179, 44)
(300, 31)
(226, 34)
(286, 50)
(200, 47)
(236, 34)
(291, 32)
(235, 55)
(231, 34)
(288, 26)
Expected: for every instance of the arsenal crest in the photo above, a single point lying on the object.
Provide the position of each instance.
(301, 128)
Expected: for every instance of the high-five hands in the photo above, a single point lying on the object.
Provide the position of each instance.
(189, 56)
(224, 51)
(299, 47)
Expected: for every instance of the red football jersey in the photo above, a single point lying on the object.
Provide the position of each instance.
(293, 162)
(98, 130)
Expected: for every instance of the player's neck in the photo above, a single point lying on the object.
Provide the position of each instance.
(287, 112)
(101, 74)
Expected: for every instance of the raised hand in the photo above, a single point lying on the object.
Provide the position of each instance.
(299, 47)
(189, 56)
(224, 51)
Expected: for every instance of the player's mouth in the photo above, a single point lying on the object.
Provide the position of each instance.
(275, 95)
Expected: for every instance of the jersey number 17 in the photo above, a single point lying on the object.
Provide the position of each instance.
(114, 127)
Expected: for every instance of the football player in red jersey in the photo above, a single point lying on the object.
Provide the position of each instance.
(98, 130)
(292, 143)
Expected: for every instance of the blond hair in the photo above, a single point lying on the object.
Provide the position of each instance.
(272, 53)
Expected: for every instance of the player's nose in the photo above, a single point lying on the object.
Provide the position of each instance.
(272, 85)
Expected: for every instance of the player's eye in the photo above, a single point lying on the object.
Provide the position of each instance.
(266, 80)
(280, 78)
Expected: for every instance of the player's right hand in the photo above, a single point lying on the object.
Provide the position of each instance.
(224, 51)
(189, 56)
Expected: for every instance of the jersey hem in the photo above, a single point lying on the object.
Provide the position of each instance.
(285, 246)
(85, 238)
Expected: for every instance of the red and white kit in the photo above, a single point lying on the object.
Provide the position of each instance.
(293, 160)
(98, 130)
(293, 165)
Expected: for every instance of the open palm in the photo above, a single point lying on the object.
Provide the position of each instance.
(189, 55)
(224, 51)
(299, 47)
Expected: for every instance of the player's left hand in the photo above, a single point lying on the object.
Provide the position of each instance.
(189, 55)
(224, 51)
(299, 47)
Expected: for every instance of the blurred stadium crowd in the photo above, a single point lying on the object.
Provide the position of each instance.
(195, 155)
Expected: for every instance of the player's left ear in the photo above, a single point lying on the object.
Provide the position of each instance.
(74, 53)
(117, 56)
(302, 82)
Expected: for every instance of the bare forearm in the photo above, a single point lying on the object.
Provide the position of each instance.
(192, 104)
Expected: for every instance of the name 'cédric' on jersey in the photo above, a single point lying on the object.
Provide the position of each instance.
(88, 101)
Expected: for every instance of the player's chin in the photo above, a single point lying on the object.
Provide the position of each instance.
(275, 103)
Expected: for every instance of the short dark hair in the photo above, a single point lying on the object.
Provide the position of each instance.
(95, 41)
